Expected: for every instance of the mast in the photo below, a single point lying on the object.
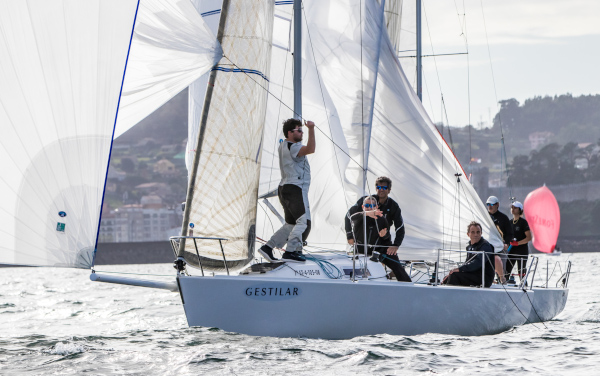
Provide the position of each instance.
(298, 59)
(419, 54)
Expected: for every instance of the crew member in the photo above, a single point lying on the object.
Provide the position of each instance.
(378, 236)
(503, 225)
(390, 210)
(293, 192)
(470, 273)
(519, 251)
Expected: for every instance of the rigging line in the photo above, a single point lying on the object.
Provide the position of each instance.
(429, 97)
(267, 217)
(510, 297)
(447, 123)
(533, 307)
(432, 50)
(496, 97)
(294, 112)
(324, 105)
(278, 120)
(463, 27)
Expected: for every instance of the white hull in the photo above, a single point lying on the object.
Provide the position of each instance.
(547, 303)
(338, 309)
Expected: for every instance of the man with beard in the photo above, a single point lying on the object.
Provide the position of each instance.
(293, 192)
(390, 211)
(378, 236)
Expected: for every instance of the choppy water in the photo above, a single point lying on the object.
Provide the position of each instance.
(56, 321)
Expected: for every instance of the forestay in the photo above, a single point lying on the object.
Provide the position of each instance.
(224, 180)
(61, 75)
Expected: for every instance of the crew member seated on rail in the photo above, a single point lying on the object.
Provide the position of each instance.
(378, 236)
(469, 273)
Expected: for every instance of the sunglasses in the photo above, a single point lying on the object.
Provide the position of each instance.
(490, 204)
(368, 206)
(383, 187)
(298, 130)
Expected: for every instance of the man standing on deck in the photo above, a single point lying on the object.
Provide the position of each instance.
(390, 210)
(293, 192)
(503, 225)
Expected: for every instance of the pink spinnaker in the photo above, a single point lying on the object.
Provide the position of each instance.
(542, 214)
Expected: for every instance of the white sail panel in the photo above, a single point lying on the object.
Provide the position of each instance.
(338, 96)
(211, 13)
(407, 147)
(61, 69)
(404, 143)
(393, 17)
(222, 196)
(172, 47)
(406, 48)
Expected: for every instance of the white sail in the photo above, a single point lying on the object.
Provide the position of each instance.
(404, 143)
(345, 78)
(407, 147)
(172, 47)
(224, 185)
(406, 48)
(393, 18)
(210, 10)
(61, 70)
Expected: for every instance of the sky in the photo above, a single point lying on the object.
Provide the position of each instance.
(537, 48)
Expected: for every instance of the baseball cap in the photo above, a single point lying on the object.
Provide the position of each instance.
(517, 204)
(492, 200)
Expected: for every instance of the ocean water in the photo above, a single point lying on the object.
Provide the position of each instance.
(56, 321)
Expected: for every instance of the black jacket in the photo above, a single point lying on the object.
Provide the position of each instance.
(391, 212)
(474, 261)
(374, 226)
(502, 222)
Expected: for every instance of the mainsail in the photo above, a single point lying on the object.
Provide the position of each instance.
(223, 186)
(62, 69)
(404, 143)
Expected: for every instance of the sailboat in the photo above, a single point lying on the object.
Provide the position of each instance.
(344, 74)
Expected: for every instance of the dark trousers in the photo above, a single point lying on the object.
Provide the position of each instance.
(463, 279)
(393, 262)
(290, 197)
(517, 255)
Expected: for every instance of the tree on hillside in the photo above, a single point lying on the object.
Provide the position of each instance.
(549, 165)
(569, 118)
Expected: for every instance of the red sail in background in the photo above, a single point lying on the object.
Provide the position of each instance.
(542, 214)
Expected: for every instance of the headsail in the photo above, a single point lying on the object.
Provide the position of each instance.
(223, 187)
(172, 46)
(61, 74)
